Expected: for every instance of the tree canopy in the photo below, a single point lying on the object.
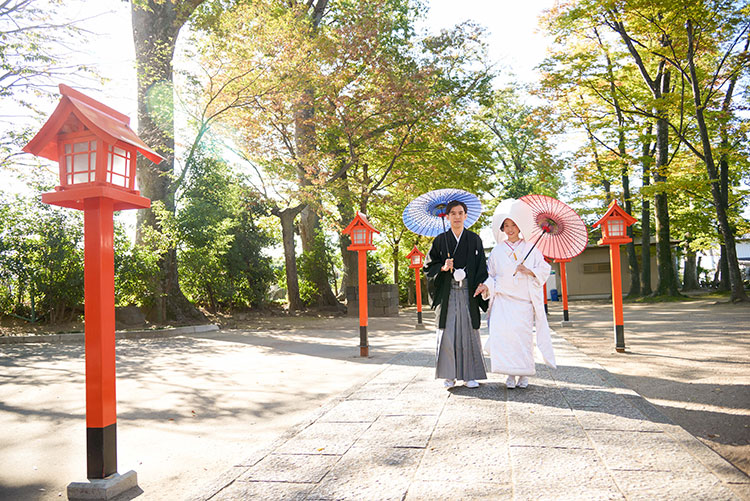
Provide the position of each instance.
(280, 120)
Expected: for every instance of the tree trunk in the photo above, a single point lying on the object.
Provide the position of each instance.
(287, 217)
(309, 220)
(690, 279)
(395, 263)
(735, 278)
(723, 269)
(211, 298)
(666, 281)
(659, 86)
(666, 284)
(306, 145)
(155, 29)
(721, 275)
(723, 283)
(603, 177)
(349, 258)
(646, 219)
(635, 279)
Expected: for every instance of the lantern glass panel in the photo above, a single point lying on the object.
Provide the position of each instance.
(616, 227)
(118, 166)
(360, 236)
(80, 162)
(416, 259)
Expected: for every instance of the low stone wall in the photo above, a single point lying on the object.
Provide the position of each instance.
(382, 300)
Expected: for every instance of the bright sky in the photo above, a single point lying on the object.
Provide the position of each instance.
(514, 41)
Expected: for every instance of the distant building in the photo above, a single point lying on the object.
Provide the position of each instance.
(742, 245)
(588, 274)
(709, 260)
(743, 249)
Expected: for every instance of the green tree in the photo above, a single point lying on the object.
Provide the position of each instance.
(463, 160)
(701, 30)
(639, 41)
(356, 98)
(135, 266)
(220, 245)
(523, 148)
(41, 259)
(156, 25)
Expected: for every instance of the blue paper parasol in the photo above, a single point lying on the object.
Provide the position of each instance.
(425, 214)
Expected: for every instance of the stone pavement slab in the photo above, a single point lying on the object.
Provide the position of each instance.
(189, 406)
(575, 433)
(687, 360)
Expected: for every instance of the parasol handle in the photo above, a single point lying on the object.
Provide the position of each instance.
(532, 248)
(447, 249)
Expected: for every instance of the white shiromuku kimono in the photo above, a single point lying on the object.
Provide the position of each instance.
(516, 307)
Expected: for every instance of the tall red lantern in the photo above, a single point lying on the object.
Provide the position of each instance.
(544, 290)
(360, 232)
(416, 259)
(96, 153)
(614, 225)
(564, 291)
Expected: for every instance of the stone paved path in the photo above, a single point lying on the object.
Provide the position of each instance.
(575, 433)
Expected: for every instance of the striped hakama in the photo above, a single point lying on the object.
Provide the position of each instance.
(459, 350)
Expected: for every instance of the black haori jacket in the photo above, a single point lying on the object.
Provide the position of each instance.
(470, 255)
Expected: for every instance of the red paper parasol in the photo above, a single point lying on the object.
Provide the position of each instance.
(558, 232)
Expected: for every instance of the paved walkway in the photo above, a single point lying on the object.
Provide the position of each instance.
(575, 433)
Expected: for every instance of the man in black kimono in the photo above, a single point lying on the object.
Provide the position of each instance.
(457, 266)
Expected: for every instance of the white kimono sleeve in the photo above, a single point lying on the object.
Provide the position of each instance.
(539, 267)
(492, 272)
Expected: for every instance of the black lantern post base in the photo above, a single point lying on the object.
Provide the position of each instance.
(364, 348)
(419, 325)
(620, 338)
(101, 451)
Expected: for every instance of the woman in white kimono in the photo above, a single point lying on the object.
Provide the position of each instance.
(514, 288)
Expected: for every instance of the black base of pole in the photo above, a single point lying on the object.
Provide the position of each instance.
(619, 338)
(419, 317)
(565, 315)
(546, 308)
(101, 451)
(364, 348)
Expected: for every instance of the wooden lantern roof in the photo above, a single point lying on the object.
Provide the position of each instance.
(413, 252)
(614, 210)
(359, 220)
(101, 120)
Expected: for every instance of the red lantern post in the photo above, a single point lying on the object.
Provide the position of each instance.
(96, 151)
(360, 231)
(416, 259)
(546, 306)
(564, 290)
(614, 233)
